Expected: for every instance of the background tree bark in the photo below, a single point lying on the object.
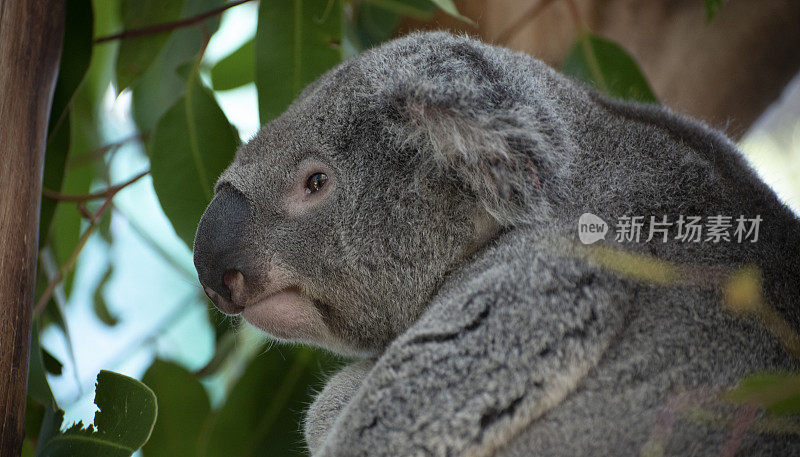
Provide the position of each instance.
(727, 71)
(31, 33)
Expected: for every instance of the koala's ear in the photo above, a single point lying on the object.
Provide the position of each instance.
(503, 154)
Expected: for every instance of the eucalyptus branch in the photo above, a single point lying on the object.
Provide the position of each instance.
(106, 194)
(102, 150)
(94, 220)
(168, 26)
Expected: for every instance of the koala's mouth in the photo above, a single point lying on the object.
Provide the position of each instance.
(285, 313)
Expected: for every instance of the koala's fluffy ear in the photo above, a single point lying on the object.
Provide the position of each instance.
(503, 154)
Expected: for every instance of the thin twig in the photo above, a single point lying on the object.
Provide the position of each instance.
(107, 193)
(73, 258)
(167, 26)
(528, 16)
(91, 156)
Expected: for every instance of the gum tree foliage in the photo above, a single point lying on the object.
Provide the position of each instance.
(155, 49)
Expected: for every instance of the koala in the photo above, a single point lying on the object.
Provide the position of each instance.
(416, 209)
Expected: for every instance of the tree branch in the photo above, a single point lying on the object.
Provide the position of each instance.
(167, 26)
(107, 194)
(94, 220)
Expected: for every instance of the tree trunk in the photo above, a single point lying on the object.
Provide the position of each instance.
(31, 33)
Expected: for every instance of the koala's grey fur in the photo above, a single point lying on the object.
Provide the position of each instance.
(447, 258)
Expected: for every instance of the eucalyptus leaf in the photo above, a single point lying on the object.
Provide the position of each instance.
(296, 41)
(34, 416)
(235, 70)
(127, 413)
(605, 65)
(160, 86)
(778, 393)
(137, 54)
(191, 145)
(263, 411)
(55, 161)
(712, 8)
(417, 9)
(183, 408)
(51, 363)
(38, 388)
(374, 24)
(77, 45)
(100, 307)
(76, 53)
(450, 8)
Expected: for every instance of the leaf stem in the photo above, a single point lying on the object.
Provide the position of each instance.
(167, 26)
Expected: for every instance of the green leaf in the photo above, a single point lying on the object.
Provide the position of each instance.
(417, 9)
(296, 41)
(55, 161)
(137, 54)
(183, 408)
(52, 364)
(128, 410)
(191, 146)
(67, 223)
(608, 67)
(27, 448)
(160, 86)
(450, 8)
(38, 388)
(778, 393)
(263, 411)
(72, 69)
(100, 306)
(712, 8)
(34, 417)
(373, 24)
(236, 70)
(225, 348)
(76, 54)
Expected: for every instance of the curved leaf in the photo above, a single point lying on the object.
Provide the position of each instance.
(183, 408)
(712, 8)
(235, 70)
(128, 410)
(192, 144)
(296, 41)
(373, 24)
(77, 46)
(136, 54)
(262, 414)
(608, 67)
(778, 393)
(418, 9)
(450, 8)
(160, 86)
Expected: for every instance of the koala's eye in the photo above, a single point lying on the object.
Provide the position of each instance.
(315, 182)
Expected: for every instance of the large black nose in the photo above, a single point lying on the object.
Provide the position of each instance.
(218, 241)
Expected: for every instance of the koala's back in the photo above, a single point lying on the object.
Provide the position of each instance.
(657, 387)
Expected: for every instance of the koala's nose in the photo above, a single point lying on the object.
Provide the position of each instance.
(218, 243)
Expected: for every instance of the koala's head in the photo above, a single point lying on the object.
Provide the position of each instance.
(337, 223)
